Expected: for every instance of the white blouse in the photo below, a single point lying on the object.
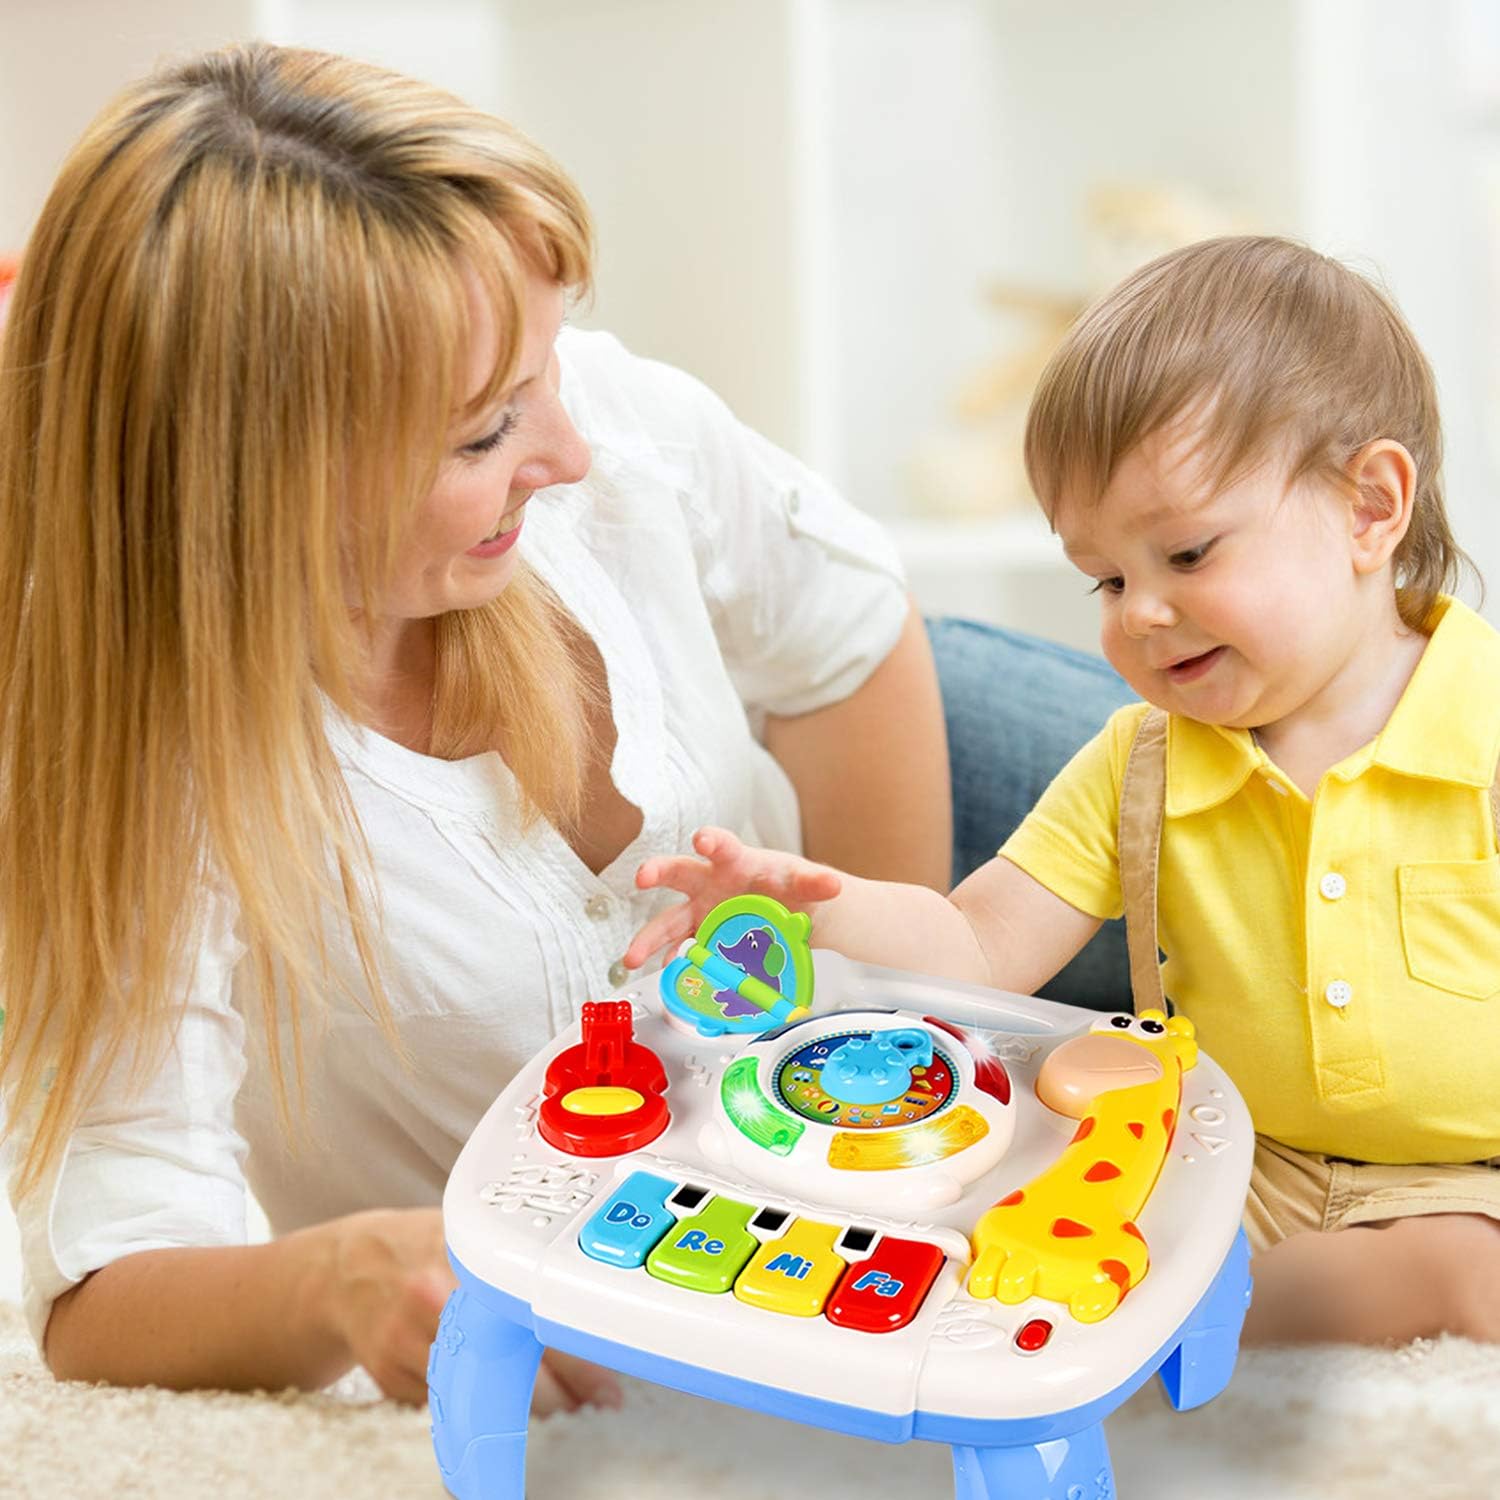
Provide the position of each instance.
(720, 580)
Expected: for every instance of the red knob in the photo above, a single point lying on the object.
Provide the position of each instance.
(602, 1096)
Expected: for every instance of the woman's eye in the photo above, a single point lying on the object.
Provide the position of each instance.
(1108, 586)
(494, 439)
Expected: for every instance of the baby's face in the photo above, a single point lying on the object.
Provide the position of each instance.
(1232, 604)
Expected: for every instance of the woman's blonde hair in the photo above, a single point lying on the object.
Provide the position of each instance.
(1263, 342)
(231, 364)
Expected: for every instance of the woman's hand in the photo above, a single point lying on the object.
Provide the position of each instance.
(564, 1383)
(391, 1281)
(727, 868)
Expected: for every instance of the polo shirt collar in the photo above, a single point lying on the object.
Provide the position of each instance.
(1206, 764)
(1446, 726)
(1425, 735)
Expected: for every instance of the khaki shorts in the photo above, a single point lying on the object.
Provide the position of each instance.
(1292, 1191)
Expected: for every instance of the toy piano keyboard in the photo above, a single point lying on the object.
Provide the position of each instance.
(887, 1205)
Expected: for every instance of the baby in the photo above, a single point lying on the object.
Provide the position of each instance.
(1240, 446)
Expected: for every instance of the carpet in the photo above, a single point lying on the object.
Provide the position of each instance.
(1310, 1424)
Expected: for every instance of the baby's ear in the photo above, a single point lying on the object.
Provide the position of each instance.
(1384, 479)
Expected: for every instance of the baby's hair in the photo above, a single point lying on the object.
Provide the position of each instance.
(1263, 342)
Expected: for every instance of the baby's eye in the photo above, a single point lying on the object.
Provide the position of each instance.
(1190, 557)
(1108, 586)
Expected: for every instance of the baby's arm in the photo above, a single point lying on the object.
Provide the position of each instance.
(999, 928)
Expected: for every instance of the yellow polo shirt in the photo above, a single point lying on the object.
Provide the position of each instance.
(1339, 956)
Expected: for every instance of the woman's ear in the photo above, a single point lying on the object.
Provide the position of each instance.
(1384, 479)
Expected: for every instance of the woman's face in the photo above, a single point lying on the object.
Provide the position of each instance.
(461, 548)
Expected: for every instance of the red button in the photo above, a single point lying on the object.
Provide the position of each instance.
(990, 1076)
(1033, 1336)
(883, 1293)
(608, 1057)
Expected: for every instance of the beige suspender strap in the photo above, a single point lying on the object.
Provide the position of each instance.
(1142, 799)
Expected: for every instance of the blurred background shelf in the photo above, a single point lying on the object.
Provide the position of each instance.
(863, 220)
(1008, 571)
(1017, 543)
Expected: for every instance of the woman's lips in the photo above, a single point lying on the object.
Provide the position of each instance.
(1193, 667)
(496, 545)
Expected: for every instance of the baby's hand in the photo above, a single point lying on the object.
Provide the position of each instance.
(727, 868)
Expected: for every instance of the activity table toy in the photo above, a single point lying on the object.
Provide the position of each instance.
(884, 1204)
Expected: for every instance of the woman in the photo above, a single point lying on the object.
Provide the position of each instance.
(360, 630)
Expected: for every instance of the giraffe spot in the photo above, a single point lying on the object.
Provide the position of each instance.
(1117, 1271)
(1085, 1130)
(1136, 1129)
(1130, 1228)
(1101, 1171)
(1168, 1120)
(1011, 1199)
(1069, 1229)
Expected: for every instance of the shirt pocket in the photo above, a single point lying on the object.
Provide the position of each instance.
(1450, 924)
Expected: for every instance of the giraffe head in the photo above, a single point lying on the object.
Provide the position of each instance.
(1153, 1030)
(1117, 1052)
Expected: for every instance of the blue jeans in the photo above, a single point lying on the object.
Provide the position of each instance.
(1017, 708)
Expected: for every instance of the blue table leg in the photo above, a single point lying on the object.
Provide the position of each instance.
(479, 1380)
(1201, 1364)
(1070, 1468)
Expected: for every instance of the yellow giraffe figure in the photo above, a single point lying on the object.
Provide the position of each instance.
(1069, 1235)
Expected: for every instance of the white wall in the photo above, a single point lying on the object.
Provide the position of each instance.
(1397, 173)
(679, 120)
(61, 61)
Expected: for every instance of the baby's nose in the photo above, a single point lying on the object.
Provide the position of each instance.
(1144, 611)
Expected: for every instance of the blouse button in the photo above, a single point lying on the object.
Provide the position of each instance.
(1339, 993)
(1333, 885)
(597, 907)
(618, 974)
(793, 501)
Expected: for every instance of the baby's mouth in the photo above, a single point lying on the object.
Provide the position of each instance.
(1191, 667)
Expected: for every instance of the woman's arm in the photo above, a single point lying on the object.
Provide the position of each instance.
(871, 772)
(297, 1311)
(365, 1289)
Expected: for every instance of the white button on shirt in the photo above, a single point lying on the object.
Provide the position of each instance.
(1332, 886)
(712, 602)
(1338, 994)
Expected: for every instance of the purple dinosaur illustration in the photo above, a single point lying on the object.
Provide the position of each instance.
(757, 952)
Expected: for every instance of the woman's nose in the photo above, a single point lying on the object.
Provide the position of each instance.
(563, 457)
